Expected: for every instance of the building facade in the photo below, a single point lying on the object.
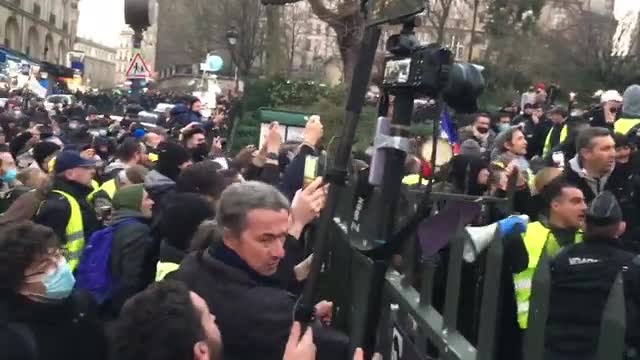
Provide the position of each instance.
(42, 29)
(99, 64)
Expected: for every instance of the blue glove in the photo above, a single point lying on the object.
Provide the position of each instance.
(516, 223)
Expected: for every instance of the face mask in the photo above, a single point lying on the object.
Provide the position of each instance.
(59, 284)
(201, 150)
(10, 176)
(503, 127)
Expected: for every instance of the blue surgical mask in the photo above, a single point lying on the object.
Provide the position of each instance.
(59, 284)
(503, 127)
(10, 176)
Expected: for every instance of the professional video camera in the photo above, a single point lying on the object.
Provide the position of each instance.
(430, 71)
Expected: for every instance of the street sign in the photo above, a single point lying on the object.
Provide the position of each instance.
(138, 69)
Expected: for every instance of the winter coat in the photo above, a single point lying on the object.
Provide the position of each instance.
(466, 133)
(52, 331)
(56, 211)
(253, 313)
(132, 269)
(185, 116)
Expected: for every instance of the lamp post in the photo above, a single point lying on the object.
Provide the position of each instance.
(232, 40)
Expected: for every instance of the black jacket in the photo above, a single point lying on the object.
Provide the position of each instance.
(60, 331)
(132, 269)
(56, 211)
(581, 279)
(253, 313)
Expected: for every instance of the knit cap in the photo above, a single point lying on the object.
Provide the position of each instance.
(128, 197)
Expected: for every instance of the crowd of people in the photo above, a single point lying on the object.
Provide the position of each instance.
(578, 181)
(127, 242)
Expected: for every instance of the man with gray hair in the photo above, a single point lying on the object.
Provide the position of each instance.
(236, 277)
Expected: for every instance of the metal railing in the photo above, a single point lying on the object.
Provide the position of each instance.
(393, 313)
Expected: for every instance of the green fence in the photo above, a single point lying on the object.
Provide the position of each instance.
(393, 312)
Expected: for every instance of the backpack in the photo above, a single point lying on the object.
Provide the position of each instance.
(93, 273)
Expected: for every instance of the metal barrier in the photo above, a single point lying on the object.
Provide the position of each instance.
(384, 311)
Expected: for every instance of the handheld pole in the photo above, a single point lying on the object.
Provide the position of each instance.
(336, 176)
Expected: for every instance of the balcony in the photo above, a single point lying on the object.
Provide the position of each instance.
(52, 19)
(37, 10)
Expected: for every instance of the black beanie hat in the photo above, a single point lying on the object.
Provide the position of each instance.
(170, 157)
(43, 149)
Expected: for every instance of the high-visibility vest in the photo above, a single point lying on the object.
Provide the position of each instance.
(95, 184)
(547, 143)
(414, 180)
(153, 157)
(623, 126)
(74, 232)
(110, 187)
(535, 238)
(164, 268)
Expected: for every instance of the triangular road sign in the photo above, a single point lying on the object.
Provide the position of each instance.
(138, 69)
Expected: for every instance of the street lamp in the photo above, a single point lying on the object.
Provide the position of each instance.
(232, 36)
(232, 39)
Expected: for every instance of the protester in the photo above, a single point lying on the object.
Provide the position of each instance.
(609, 110)
(172, 158)
(480, 131)
(559, 130)
(293, 177)
(559, 226)
(178, 224)
(42, 313)
(129, 153)
(43, 153)
(167, 322)
(203, 178)
(581, 279)
(255, 218)
(66, 209)
(195, 142)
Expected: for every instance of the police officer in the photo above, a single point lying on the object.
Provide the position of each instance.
(581, 279)
(66, 210)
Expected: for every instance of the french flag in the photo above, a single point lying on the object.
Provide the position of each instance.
(449, 130)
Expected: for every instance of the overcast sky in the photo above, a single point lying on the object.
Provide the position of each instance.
(101, 20)
(622, 6)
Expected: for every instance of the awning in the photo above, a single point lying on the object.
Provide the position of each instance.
(16, 56)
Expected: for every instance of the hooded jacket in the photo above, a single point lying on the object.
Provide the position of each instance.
(184, 116)
(158, 186)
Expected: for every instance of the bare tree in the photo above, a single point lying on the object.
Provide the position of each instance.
(294, 31)
(346, 19)
(441, 11)
(212, 19)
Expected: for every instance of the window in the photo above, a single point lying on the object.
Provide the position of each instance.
(307, 44)
(36, 10)
(52, 19)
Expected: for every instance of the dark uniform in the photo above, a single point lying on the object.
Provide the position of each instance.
(581, 278)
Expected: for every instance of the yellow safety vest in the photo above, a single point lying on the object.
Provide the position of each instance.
(623, 126)
(414, 180)
(153, 157)
(74, 232)
(535, 238)
(110, 187)
(547, 143)
(164, 268)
